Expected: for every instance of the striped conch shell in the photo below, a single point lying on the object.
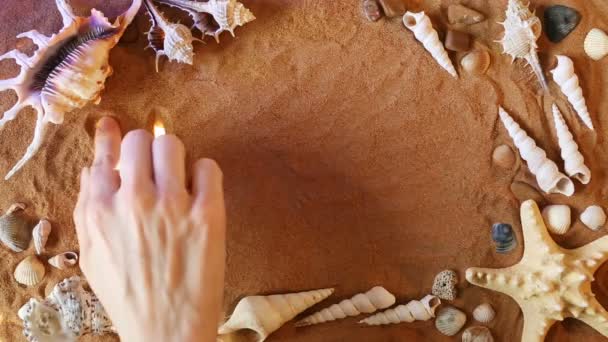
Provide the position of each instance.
(169, 39)
(64, 260)
(29, 271)
(574, 162)
(564, 76)
(522, 30)
(415, 310)
(371, 301)
(40, 235)
(67, 71)
(420, 25)
(266, 314)
(549, 179)
(226, 15)
(596, 44)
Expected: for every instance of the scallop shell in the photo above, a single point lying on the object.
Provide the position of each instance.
(557, 218)
(504, 237)
(476, 62)
(450, 320)
(503, 156)
(41, 235)
(560, 21)
(444, 285)
(594, 217)
(64, 260)
(67, 71)
(596, 44)
(484, 313)
(477, 334)
(29, 271)
(15, 230)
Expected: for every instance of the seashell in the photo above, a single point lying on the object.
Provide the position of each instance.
(64, 260)
(67, 71)
(503, 156)
(227, 14)
(444, 285)
(596, 44)
(557, 218)
(476, 62)
(371, 9)
(450, 320)
(169, 39)
(547, 175)
(574, 162)
(15, 230)
(594, 217)
(265, 314)
(484, 313)
(415, 310)
(29, 271)
(524, 192)
(66, 314)
(41, 235)
(504, 238)
(564, 76)
(560, 21)
(522, 29)
(420, 25)
(477, 334)
(459, 14)
(393, 8)
(371, 301)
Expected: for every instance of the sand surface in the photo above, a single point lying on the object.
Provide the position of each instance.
(351, 158)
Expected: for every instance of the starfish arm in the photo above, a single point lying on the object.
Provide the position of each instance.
(596, 317)
(593, 254)
(536, 325)
(537, 240)
(505, 280)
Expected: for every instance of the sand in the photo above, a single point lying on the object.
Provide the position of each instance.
(351, 158)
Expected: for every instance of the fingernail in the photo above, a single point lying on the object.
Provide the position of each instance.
(105, 123)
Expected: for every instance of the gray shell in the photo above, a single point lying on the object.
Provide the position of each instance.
(450, 320)
(15, 232)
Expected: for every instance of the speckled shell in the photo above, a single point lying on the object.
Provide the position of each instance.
(64, 260)
(557, 218)
(484, 313)
(450, 320)
(41, 235)
(476, 62)
(504, 237)
(594, 217)
(477, 334)
(444, 285)
(596, 44)
(29, 271)
(15, 230)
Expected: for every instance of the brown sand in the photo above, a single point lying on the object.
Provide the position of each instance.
(351, 158)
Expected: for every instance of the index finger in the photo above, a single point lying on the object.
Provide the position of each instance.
(103, 177)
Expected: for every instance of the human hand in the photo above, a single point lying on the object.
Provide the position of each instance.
(153, 252)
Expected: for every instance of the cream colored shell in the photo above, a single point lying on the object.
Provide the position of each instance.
(450, 320)
(476, 62)
(558, 218)
(564, 76)
(64, 260)
(477, 334)
(40, 235)
(266, 314)
(574, 162)
(596, 44)
(484, 313)
(371, 301)
(420, 25)
(415, 310)
(594, 217)
(29, 271)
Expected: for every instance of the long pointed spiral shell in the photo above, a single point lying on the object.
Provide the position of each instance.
(421, 26)
(564, 76)
(40, 235)
(415, 310)
(547, 174)
(265, 314)
(371, 301)
(574, 162)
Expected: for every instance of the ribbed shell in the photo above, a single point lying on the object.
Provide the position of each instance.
(415, 310)
(594, 217)
(560, 21)
(504, 237)
(29, 271)
(450, 320)
(15, 231)
(596, 44)
(564, 76)
(557, 218)
(484, 313)
(574, 162)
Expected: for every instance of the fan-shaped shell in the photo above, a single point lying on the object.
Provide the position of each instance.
(557, 218)
(484, 313)
(596, 44)
(477, 334)
(41, 235)
(15, 230)
(450, 320)
(29, 271)
(594, 217)
(64, 260)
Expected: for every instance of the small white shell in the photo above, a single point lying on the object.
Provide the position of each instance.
(557, 218)
(477, 334)
(30, 271)
(476, 62)
(484, 313)
(594, 217)
(41, 235)
(64, 260)
(596, 44)
(450, 320)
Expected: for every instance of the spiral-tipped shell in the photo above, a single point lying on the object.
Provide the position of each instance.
(574, 162)
(566, 78)
(415, 310)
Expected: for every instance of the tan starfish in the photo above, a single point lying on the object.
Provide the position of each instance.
(549, 283)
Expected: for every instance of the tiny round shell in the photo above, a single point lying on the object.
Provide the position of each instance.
(596, 44)
(64, 260)
(477, 334)
(476, 62)
(450, 320)
(594, 217)
(504, 157)
(484, 313)
(557, 218)
(30, 271)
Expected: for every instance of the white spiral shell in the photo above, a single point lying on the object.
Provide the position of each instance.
(450, 320)
(564, 76)
(596, 44)
(420, 25)
(415, 310)
(64, 260)
(484, 313)
(549, 179)
(40, 235)
(558, 218)
(574, 162)
(594, 217)
(375, 299)
(29, 271)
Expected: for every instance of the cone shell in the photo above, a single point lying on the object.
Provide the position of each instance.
(450, 320)
(30, 271)
(484, 313)
(596, 44)
(557, 218)
(594, 217)
(64, 260)
(476, 62)
(459, 14)
(15, 230)
(477, 334)
(41, 235)
(568, 81)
